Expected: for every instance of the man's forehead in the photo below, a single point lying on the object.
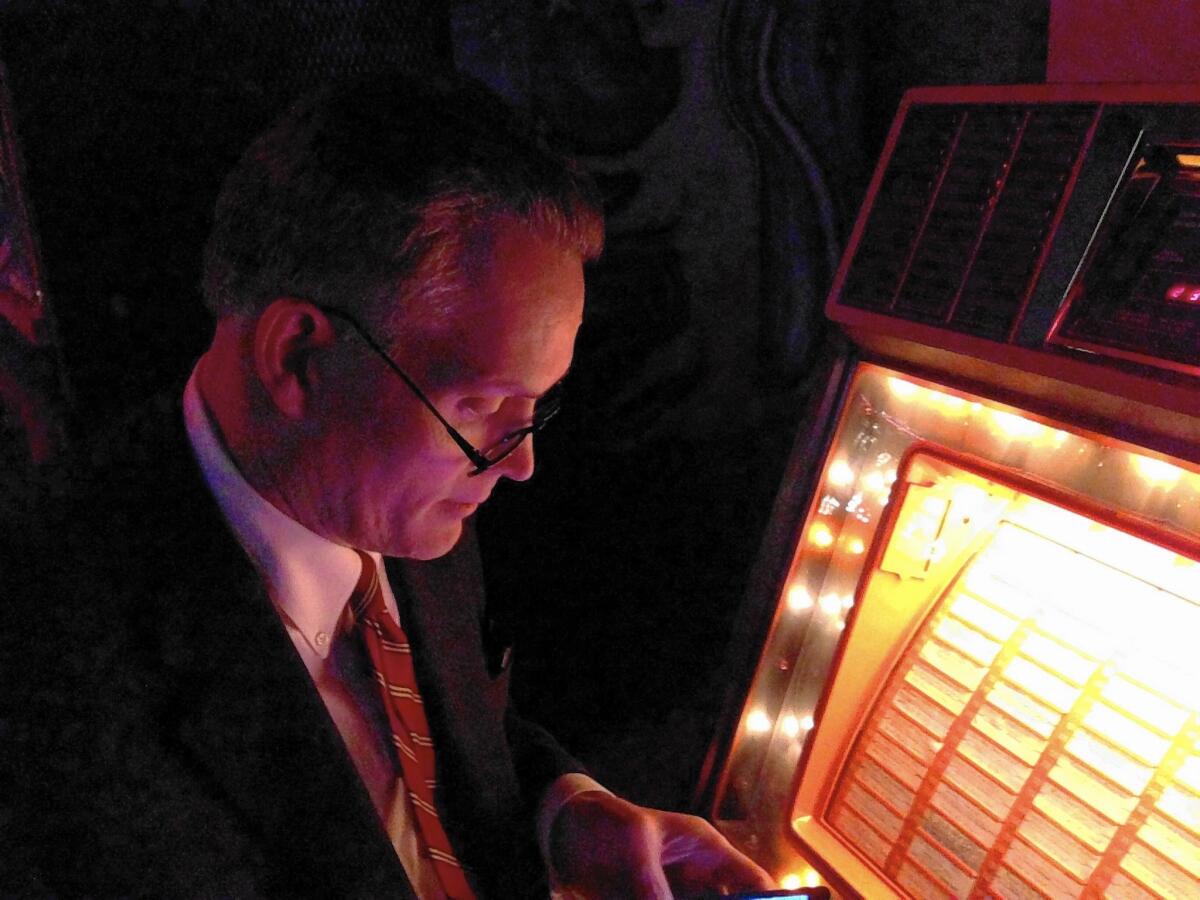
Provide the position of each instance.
(510, 326)
(509, 375)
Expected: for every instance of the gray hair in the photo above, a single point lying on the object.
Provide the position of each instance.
(364, 198)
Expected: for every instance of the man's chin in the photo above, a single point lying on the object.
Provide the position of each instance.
(432, 542)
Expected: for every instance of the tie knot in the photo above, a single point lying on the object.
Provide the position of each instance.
(366, 600)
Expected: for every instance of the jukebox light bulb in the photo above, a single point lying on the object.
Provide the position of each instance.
(806, 723)
(1015, 426)
(948, 402)
(791, 882)
(856, 546)
(758, 722)
(798, 598)
(790, 725)
(820, 535)
(875, 482)
(1156, 471)
(901, 388)
(840, 473)
(831, 604)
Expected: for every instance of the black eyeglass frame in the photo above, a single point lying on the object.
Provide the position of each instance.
(546, 409)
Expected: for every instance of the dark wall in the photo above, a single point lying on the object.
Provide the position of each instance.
(129, 114)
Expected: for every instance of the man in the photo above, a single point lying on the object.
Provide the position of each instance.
(397, 280)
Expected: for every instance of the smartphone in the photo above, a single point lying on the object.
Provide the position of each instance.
(809, 893)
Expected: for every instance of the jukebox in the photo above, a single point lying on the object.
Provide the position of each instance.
(976, 669)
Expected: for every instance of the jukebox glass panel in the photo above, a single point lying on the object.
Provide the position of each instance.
(979, 673)
(1024, 738)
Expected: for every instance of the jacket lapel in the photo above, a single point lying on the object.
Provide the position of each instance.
(251, 718)
(260, 730)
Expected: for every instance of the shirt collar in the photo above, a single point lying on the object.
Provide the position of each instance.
(308, 577)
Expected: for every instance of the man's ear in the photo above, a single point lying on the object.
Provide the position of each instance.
(288, 338)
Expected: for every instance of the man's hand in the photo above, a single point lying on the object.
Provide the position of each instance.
(602, 846)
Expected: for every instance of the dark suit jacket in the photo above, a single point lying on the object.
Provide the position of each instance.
(166, 738)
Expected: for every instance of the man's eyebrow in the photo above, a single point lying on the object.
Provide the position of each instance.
(511, 388)
(521, 391)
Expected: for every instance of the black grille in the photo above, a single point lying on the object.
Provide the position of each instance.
(962, 216)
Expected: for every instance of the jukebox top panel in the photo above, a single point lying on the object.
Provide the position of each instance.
(1060, 220)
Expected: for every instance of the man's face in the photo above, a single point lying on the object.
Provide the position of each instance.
(384, 474)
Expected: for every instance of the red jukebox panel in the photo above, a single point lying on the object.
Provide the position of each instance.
(980, 676)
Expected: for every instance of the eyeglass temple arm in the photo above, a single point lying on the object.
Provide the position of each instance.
(477, 459)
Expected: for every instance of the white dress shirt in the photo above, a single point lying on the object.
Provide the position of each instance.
(309, 579)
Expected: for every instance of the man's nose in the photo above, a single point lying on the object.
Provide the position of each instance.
(519, 464)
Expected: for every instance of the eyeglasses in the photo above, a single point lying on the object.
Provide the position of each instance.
(546, 409)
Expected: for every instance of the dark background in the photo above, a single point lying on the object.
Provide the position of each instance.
(732, 140)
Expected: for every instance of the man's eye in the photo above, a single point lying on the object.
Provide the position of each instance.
(474, 408)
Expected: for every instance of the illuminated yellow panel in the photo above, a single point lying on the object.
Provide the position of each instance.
(906, 768)
(953, 664)
(1057, 657)
(1042, 684)
(1176, 844)
(974, 821)
(1153, 709)
(1035, 716)
(986, 618)
(1159, 875)
(1030, 864)
(1109, 799)
(1123, 731)
(1043, 655)
(1069, 661)
(968, 641)
(991, 758)
(979, 787)
(941, 690)
(1076, 816)
(1066, 853)
(1181, 805)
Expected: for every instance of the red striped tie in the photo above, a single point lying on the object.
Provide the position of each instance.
(391, 659)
